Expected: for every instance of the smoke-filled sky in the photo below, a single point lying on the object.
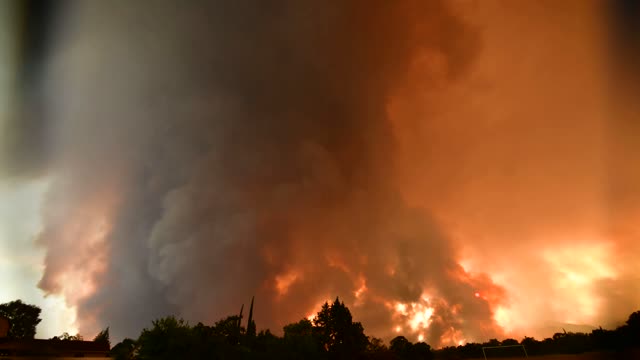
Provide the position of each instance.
(453, 170)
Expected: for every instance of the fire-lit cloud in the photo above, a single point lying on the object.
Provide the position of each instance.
(454, 170)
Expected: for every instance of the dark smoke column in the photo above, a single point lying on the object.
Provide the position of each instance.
(211, 151)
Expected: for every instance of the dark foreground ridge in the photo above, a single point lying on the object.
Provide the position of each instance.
(331, 334)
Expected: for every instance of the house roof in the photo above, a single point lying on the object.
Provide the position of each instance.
(40, 346)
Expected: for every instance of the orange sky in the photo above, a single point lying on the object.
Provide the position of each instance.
(516, 160)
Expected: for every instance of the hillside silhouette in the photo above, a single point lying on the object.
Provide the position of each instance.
(331, 334)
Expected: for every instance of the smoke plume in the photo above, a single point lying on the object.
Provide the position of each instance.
(419, 159)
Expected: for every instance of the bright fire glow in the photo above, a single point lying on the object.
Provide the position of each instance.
(314, 311)
(453, 337)
(421, 317)
(573, 273)
(503, 318)
(416, 315)
(577, 268)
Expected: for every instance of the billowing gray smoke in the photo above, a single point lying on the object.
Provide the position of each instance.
(196, 155)
(208, 152)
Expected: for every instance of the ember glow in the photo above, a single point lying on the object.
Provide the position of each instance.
(453, 170)
(417, 316)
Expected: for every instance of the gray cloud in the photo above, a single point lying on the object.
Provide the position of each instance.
(229, 143)
(297, 151)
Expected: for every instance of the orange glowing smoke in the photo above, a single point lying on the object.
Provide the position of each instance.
(81, 231)
(284, 281)
(452, 184)
(511, 157)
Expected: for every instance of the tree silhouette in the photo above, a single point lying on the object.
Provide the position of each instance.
(300, 339)
(68, 337)
(634, 321)
(303, 328)
(251, 325)
(337, 333)
(334, 335)
(376, 345)
(404, 349)
(23, 319)
(399, 343)
(421, 351)
(169, 338)
(401, 346)
(229, 329)
(103, 337)
(124, 350)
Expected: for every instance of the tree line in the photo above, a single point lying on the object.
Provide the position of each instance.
(331, 334)
(622, 339)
